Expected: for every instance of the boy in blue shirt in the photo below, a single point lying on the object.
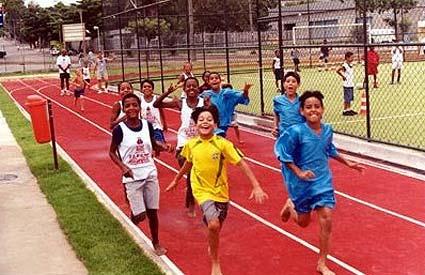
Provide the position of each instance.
(305, 150)
(286, 107)
(225, 100)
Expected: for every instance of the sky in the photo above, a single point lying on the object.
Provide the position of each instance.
(49, 3)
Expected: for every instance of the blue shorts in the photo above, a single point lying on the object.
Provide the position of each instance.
(307, 204)
(158, 135)
(348, 94)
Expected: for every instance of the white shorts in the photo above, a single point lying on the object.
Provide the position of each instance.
(397, 65)
(143, 194)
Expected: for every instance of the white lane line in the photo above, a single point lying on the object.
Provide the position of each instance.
(342, 194)
(99, 192)
(237, 206)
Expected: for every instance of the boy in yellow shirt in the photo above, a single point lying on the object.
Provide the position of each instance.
(207, 156)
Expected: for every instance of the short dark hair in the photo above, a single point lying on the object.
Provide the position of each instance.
(204, 73)
(190, 78)
(294, 75)
(211, 73)
(211, 109)
(348, 54)
(147, 80)
(122, 82)
(307, 94)
(227, 86)
(130, 95)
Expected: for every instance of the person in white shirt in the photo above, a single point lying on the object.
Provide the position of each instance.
(346, 71)
(397, 63)
(64, 64)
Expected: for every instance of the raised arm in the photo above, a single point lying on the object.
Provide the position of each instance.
(175, 103)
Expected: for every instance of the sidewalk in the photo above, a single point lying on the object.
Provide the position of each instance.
(30, 237)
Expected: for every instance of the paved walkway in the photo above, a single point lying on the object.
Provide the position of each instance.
(31, 240)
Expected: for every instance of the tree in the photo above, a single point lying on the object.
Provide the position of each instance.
(396, 6)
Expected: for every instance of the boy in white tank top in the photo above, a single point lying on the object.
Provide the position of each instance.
(187, 128)
(131, 150)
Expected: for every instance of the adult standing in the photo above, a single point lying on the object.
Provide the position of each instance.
(64, 64)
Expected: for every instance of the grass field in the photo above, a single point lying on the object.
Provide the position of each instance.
(98, 239)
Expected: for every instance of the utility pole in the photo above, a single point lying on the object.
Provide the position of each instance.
(251, 26)
(84, 30)
(191, 29)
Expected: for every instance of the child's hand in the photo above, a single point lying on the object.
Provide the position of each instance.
(127, 173)
(258, 195)
(172, 186)
(172, 88)
(169, 147)
(247, 86)
(306, 175)
(275, 132)
(356, 166)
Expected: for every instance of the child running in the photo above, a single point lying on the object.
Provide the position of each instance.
(187, 128)
(225, 100)
(118, 114)
(154, 115)
(207, 156)
(234, 122)
(286, 107)
(131, 150)
(86, 72)
(305, 150)
(80, 84)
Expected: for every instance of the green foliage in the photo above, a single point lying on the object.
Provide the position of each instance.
(148, 27)
(97, 237)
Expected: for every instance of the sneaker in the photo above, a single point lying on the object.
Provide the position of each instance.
(346, 113)
(62, 93)
(352, 112)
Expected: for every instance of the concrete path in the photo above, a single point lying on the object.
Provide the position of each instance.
(31, 241)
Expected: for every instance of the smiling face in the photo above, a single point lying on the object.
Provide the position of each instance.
(191, 88)
(290, 85)
(131, 108)
(125, 88)
(147, 89)
(205, 125)
(215, 81)
(313, 110)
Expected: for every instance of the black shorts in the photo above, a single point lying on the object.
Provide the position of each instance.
(64, 75)
(278, 74)
(296, 61)
(78, 92)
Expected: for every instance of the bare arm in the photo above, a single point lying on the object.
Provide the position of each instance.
(114, 121)
(352, 164)
(340, 71)
(257, 192)
(126, 171)
(183, 171)
(175, 103)
(246, 89)
(304, 175)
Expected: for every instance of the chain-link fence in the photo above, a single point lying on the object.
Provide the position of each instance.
(154, 39)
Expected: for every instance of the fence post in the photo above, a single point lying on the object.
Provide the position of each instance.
(121, 50)
(138, 47)
(366, 79)
(260, 59)
(226, 41)
(159, 48)
(279, 24)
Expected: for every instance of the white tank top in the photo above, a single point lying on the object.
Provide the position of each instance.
(136, 151)
(86, 73)
(187, 128)
(150, 113)
(121, 114)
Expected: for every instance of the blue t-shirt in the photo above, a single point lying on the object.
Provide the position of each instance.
(309, 151)
(288, 112)
(225, 101)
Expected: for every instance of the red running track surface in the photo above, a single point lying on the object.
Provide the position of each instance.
(367, 239)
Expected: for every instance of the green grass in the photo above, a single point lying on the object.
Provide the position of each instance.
(397, 114)
(97, 237)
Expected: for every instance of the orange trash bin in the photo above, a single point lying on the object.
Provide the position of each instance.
(39, 118)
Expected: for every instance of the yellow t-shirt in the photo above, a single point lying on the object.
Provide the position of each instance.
(209, 159)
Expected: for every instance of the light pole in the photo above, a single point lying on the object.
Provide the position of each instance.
(96, 28)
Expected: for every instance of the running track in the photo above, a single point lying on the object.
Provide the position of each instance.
(379, 222)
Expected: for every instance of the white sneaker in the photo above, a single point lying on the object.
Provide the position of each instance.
(62, 93)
